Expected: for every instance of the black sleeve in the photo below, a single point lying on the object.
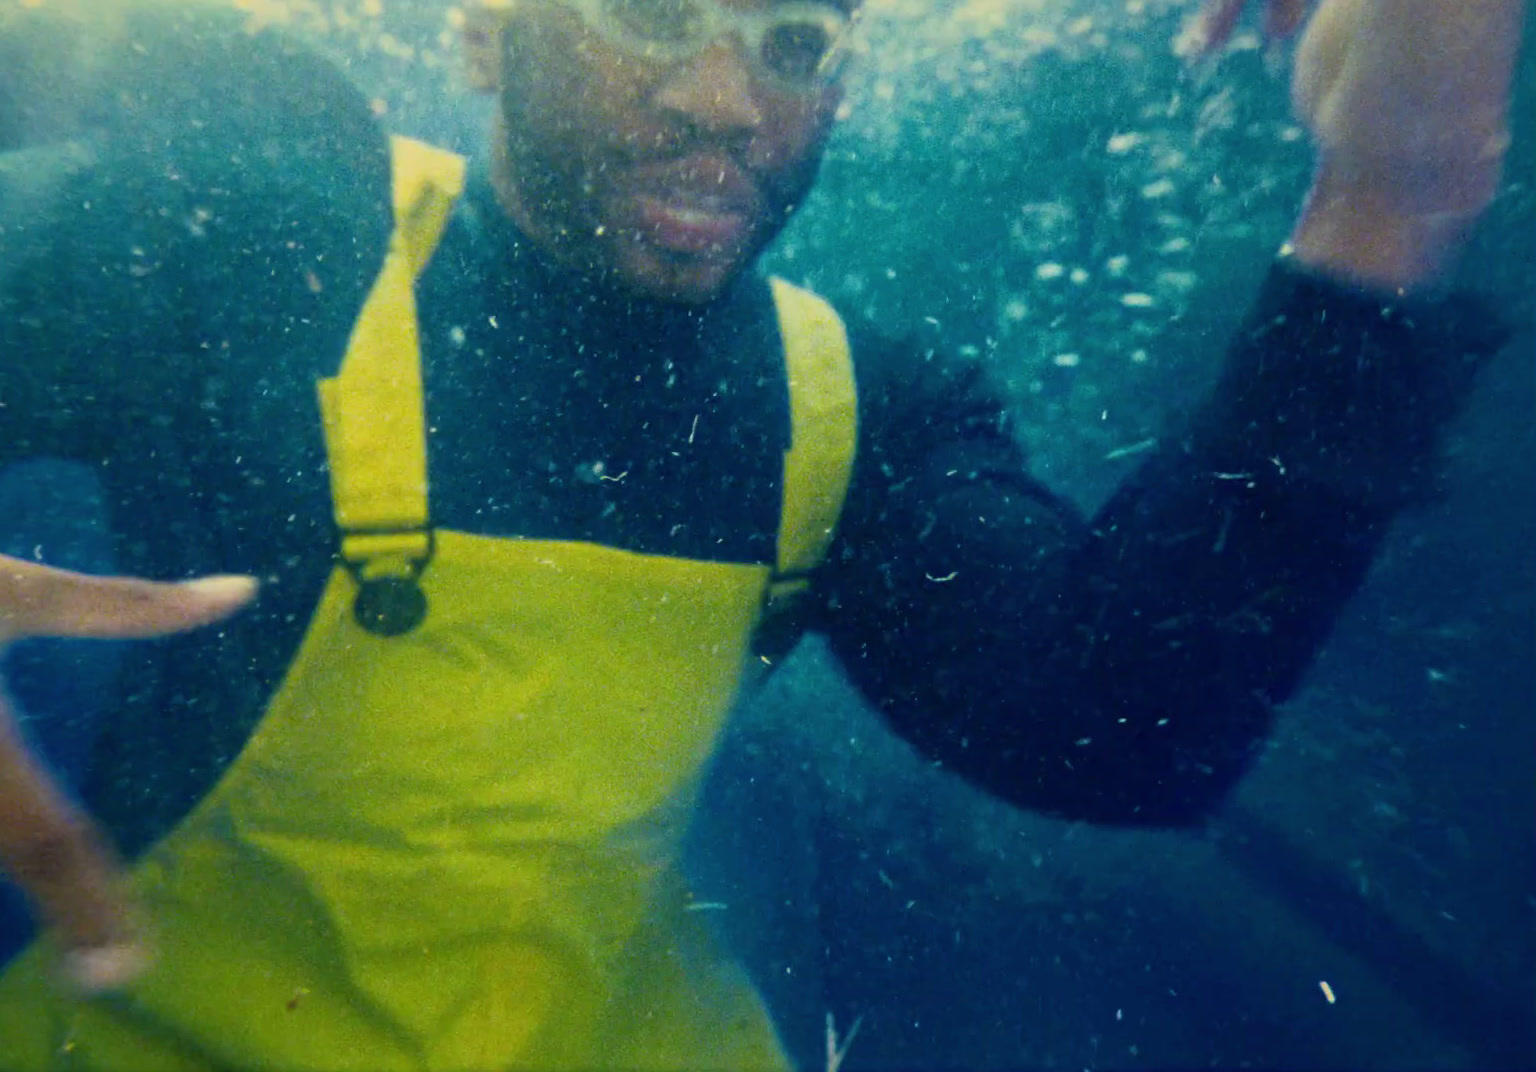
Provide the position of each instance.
(1125, 669)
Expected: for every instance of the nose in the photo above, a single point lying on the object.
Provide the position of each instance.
(714, 91)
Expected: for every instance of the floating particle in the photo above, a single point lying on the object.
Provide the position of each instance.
(1174, 245)
(1079, 276)
(1154, 190)
(1049, 270)
(1051, 217)
(1117, 265)
(1327, 991)
(1135, 448)
(1137, 300)
(1119, 144)
(1016, 309)
(392, 46)
(1067, 360)
(1177, 281)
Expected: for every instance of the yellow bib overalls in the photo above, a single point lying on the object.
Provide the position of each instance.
(454, 847)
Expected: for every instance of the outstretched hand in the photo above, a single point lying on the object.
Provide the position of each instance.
(1408, 105)
(51, 849)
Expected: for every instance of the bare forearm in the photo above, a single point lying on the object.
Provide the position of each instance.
(1408, 103)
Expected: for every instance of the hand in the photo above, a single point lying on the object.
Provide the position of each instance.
(1211, 27)
(1408, 103)
(50, 848)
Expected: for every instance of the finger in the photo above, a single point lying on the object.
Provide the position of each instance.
(37, 600)
(105, 967)
(1282, 18)
(1210, 28)
(60, 861)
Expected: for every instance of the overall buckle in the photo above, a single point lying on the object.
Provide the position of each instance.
(387, 567)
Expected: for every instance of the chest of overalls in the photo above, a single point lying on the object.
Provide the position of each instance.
(451, 841)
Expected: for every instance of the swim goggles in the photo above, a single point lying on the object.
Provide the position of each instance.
(800, 45)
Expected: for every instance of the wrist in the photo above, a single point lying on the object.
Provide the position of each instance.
(1362, 236)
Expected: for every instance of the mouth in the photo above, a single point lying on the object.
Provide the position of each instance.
(692, 225)
(702, 205)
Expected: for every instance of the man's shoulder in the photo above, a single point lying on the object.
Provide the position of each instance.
(195, 93)
(181, 162)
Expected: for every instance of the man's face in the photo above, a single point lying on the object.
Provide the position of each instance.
(664, 174)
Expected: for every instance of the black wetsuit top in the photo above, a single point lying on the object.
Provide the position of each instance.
(176, 274)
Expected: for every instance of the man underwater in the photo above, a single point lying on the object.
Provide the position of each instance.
(529, 467)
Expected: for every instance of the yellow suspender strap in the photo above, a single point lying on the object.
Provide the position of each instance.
(824, 424)
(373, 411)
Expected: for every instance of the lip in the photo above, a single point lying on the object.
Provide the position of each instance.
(688, 225)
(699, 204)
